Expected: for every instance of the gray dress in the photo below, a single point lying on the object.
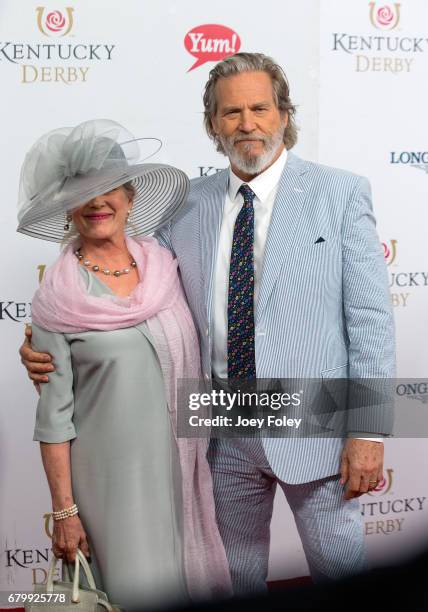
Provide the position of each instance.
(107, 396)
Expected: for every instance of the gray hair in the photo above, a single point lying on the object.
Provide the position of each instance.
(250, 62)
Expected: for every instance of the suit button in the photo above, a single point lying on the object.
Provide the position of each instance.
(207, 331)
(207, 375)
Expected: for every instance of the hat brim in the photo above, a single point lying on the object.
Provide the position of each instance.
(160, 192)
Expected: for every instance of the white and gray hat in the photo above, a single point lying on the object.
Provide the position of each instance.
(67, 167)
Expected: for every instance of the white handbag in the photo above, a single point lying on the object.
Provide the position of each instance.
(68, 595)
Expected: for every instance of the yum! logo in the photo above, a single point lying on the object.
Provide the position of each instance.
(54, 23)
(384, 17)
(211, 43)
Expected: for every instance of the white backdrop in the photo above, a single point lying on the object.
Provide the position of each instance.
(354, 112)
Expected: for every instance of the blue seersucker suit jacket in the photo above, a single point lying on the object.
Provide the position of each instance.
(324, 309)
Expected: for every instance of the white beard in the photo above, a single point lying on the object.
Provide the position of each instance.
(250, 163)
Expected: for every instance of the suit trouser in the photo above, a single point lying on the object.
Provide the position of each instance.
(330, 528)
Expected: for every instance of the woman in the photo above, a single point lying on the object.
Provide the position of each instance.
(112, 314)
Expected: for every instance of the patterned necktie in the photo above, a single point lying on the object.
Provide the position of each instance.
(241, 362)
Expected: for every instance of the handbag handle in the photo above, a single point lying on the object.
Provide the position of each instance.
(80, 559)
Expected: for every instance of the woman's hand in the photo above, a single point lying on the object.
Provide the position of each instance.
(68, 535)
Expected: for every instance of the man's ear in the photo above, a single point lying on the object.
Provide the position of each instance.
(214, 125)
(285, 117)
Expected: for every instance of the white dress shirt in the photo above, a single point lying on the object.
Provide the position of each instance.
(265, 187)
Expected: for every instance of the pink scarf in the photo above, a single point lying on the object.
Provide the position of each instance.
(62, 304)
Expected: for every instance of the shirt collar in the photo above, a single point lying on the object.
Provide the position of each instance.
(263, 183)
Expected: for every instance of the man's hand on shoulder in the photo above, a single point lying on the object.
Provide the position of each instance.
(361, 466)
(38, 364)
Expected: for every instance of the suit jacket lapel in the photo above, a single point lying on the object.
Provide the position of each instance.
(292, 191)
(210, 215)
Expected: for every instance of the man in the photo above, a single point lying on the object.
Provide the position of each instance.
(285, 277)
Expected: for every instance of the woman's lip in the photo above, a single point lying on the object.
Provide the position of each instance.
(98, 216)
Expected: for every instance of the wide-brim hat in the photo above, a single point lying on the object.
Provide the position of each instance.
(68, 167)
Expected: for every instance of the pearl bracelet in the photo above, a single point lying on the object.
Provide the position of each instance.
(65, 513)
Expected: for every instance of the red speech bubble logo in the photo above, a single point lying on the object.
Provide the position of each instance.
(211, 43)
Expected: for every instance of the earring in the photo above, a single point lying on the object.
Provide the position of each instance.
(127, 215)
(67, 223)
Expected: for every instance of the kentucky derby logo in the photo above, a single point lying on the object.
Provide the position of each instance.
(54, 23)
(384, 486)
(61, 61)
(385, 17)
(384, 52)
(211, 43)
(390, 251)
